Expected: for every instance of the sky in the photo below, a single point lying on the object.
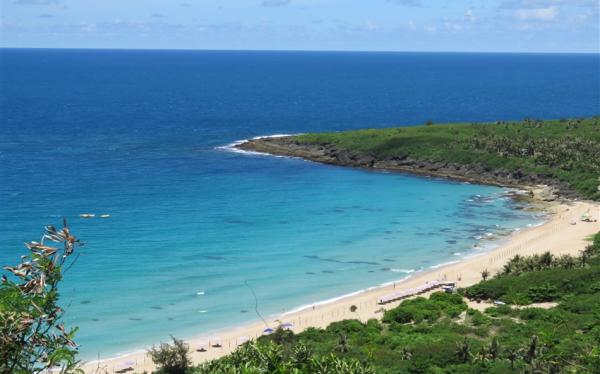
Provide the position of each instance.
(357, 25)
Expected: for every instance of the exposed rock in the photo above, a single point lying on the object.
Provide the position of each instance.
(476, 173)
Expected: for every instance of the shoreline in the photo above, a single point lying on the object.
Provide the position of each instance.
(234, 335)
(556, 234)
(476, 251)
(284, 145)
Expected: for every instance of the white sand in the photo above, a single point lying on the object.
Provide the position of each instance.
(558, 236)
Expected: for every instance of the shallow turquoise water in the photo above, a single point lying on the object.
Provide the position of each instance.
(134, 135)
(297, 232)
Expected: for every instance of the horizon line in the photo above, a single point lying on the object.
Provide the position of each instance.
(290, 50)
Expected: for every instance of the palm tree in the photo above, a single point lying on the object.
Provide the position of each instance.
(546, 260)
(301, 355)
(494, 349)
(463, 351)
(482, 355)
(342, 345)
(485, 274)
(567, 262)
(531, 352)
(405, 354)
(512, 354)
(583, 259)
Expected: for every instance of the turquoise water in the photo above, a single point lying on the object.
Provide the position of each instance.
(310, 234)
(136, 135)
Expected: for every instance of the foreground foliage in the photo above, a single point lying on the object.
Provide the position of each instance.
(32, 337)
(565, 150)
(440, 334)
(171, 358)
(270, 357)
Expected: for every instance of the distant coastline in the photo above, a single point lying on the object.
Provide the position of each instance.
(289, 146)
(511, 153)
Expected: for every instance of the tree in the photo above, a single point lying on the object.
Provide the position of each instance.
(567, 262)
(485, 274)
(463, 351)
(405, 353)
(354, 309)
(482, 355)
(546, 260)
(532, 349)
(512, 354)
(301, 355)
(171, 359)
(33, 338)
(342, 345)
(494, 349)
(268, 357)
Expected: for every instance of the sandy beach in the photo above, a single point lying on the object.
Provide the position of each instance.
(558, 235)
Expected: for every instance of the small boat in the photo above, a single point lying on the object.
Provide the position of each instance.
(104, 215)
(87, 215)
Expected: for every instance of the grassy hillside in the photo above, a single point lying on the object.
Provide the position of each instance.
(442, 335)
(567, 151)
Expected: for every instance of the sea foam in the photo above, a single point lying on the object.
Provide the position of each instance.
(233, 146)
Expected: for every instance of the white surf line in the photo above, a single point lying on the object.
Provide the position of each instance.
(232, 147)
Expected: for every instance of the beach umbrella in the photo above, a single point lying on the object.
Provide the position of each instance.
(287, 325)
(126, 366)
(215, 342)
(268, 330)
(202, 346)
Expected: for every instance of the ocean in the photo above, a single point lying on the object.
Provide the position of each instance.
(139, 135)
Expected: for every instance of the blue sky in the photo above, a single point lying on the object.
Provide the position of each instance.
(389, 25)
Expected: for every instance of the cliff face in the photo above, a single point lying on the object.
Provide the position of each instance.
(329, 154)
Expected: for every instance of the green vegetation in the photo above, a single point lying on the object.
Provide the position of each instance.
(542, 278)
(442, 335)
(171, 359)
(439, 334)
(564, 151)
(33, 338)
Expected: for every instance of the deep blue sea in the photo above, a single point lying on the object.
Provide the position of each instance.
(134, 134)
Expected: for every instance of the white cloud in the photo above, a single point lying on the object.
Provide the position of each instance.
(537, 14)
(370, 25)
(469, 16)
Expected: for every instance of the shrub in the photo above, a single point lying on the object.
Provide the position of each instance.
(33, 338)
(171, 359)
(478, 318)
(497, 311)
(421, 309)
(542, 293)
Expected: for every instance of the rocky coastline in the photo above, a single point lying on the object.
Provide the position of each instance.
(544, 187)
